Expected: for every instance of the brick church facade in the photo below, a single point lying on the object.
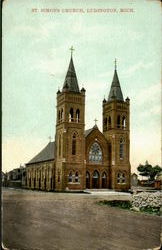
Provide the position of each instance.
(85, 159)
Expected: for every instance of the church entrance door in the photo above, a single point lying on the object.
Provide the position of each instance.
(95, 179)
(104, 180)
(87, 180)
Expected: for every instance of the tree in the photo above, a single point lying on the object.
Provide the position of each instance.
(149, 171)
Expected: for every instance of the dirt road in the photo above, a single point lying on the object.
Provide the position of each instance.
(50, 221)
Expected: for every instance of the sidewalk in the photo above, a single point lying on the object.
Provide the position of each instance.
(106, 192)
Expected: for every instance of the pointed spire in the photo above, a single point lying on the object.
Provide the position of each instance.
(115, 90)
(71, 78)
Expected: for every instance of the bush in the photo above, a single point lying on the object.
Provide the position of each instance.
(150, 210)
(128, 205)
(117, 203)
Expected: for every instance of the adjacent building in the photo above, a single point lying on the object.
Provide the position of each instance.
(16, 177)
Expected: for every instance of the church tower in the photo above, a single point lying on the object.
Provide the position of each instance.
(116, 129)
(69, 139)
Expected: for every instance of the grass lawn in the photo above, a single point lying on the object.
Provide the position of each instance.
(127, 205)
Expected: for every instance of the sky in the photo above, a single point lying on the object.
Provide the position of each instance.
(35, 59)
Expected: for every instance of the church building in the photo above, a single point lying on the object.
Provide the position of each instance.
(82, 159)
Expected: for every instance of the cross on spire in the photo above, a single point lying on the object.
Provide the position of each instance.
(72, 49)
(95, 120)
(115, 64)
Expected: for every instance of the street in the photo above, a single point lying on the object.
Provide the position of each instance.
(66, 221)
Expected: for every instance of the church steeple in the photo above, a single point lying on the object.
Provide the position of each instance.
(115, 90)
(71, 82)
(70, 139)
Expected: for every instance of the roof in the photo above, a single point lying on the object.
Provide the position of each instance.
(88, 131)
(71, 82)
(115, 90)
(46, 154)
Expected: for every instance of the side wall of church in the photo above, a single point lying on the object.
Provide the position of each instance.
(40, 176)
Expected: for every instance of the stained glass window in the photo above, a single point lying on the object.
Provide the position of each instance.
(95, 153)
(121, 149)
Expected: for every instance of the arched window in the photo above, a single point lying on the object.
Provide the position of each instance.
(76, 177)
(109, 151)
(95, 153)
(77, 115)
(74, 145)
(70, 177)
(71, 115)
(95, 174)
(118, 121)
(121, 179)
(60, 145)
(109, 121)
(123, 122)
(61, 114)
(104, 175)
(121, 148)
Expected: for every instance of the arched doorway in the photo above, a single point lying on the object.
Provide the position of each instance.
(87, 180)
(104, 180)
(95, 179)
